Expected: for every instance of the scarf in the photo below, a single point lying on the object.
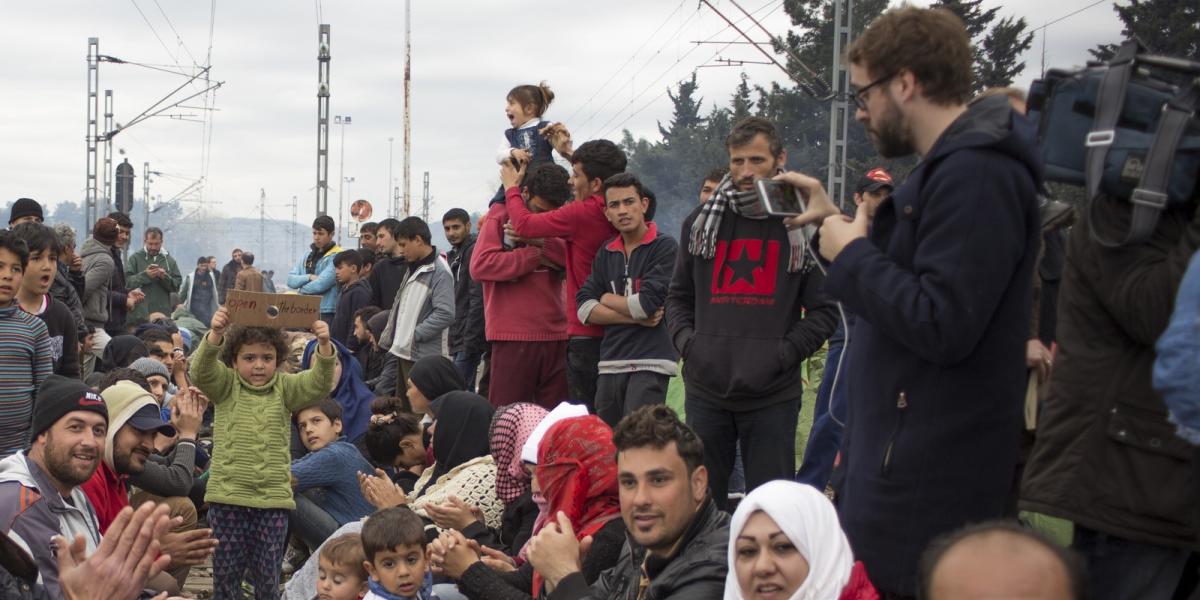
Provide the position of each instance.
(510, 428)
(461, 433)
(436, 376)
(703, 239)
(351, 392)
(310, 263)
(578, 475)
(425, 593)
(809, 520)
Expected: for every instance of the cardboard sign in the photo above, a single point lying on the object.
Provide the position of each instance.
(285, 311)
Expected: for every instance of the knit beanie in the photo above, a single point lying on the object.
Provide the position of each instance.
(129, 403)
(377, 324)
(25, 207)
(105, 231)
(58, 396)
(148, 366)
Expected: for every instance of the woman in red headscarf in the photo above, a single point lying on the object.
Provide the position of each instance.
(577, 474)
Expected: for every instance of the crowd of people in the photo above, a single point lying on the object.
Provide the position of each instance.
(489, 420)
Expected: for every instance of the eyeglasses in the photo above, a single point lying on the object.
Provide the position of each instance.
(859, 97)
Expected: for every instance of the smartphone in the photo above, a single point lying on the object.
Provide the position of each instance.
(780, 199)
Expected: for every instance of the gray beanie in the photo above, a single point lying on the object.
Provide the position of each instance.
(148, 366)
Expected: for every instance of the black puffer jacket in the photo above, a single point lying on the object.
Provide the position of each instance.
(695, 572)
(1106, 456)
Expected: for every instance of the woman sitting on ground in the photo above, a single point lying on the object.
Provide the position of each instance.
(510, 428)
(577, 473)
(785, 541)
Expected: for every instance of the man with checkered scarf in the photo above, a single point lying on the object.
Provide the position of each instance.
(745, 308)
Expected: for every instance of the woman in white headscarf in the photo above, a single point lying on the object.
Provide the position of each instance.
(785, 543)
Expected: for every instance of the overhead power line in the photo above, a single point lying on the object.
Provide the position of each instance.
(770, 7)
(626, 63)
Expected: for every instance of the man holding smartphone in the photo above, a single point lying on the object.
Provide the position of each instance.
(745, 307)
(155, 273)
(941, 283)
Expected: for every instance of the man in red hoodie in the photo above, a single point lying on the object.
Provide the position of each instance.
(584, 228)
(134, 419)
(525, 318)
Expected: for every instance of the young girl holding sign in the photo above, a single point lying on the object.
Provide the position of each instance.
(249, 489)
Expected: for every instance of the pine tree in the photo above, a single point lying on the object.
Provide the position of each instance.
(997, 48)
(687, 109)
(1170, 27)
(741, 101)
(1002, 49)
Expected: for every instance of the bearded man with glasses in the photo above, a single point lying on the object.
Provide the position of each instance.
(941, 279)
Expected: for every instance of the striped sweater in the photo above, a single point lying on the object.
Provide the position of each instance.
(25, 360)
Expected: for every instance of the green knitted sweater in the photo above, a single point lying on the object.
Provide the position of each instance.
(251, 462)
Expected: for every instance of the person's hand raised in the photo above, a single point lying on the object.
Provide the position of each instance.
(819, 206)
(511, 176)
(127, 556)
(220, 321)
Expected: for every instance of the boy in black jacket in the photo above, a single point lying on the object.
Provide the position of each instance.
(626, 293)
(356, 294)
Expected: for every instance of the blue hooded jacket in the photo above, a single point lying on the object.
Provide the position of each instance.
(351, 393)
(325, 285)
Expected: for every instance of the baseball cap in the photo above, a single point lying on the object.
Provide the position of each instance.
(875, 180)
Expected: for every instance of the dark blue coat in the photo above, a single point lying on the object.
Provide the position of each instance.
(942, 288)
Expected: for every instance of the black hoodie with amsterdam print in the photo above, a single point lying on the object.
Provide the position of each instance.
(741, 321)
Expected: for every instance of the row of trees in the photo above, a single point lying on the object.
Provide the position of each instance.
(692, 142)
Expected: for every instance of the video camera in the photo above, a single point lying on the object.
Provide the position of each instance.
(1127, 128)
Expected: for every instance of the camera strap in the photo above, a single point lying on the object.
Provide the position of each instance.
(1150, 197)
(1110, 101)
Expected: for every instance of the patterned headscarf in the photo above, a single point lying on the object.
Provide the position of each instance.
(510, 428)
(707, 225)
(577, 471)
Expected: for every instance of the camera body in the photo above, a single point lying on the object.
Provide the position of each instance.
(1127, 129)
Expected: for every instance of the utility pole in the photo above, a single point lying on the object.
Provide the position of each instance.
(407, 106)
(392, 209)
(323, 57)
(145, 197)
(262, 226)
(425, 199)
(839, 109)
(93, 133)
(342, 122)
(107, 136)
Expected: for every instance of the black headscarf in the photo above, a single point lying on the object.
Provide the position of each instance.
(121, 351)
(461, 433)
(436, 376)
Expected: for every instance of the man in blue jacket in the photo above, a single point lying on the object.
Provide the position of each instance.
(942, 284)
(315, 275)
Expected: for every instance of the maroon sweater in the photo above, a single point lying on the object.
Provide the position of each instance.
(583, 226)
(522, 299)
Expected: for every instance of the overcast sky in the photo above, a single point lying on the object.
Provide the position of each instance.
(605, 60)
